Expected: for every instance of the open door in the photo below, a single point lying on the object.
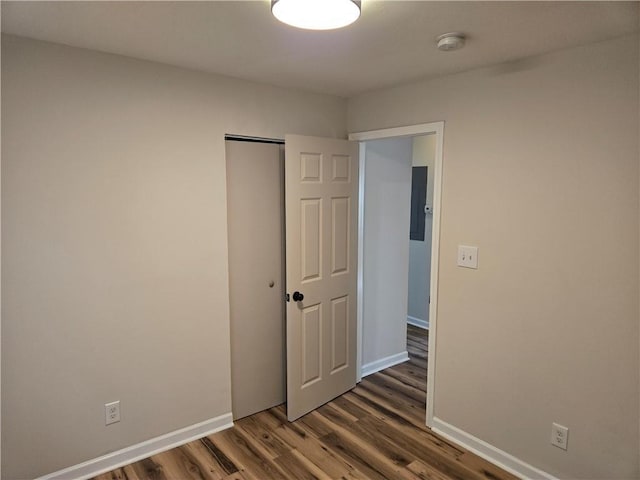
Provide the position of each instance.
(321, 203)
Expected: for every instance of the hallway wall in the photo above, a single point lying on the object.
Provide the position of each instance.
(387, 200)
(423, 154)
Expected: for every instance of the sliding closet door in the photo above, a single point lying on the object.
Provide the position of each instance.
(256, 275)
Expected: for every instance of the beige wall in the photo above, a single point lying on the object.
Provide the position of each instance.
(541, 172)
(114, 258)
(1, 354)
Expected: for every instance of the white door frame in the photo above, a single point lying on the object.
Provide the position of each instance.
(436, 128)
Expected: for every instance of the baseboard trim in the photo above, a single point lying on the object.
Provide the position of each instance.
(145, 449)
(487, 451)
(383, 363)
(418, 322)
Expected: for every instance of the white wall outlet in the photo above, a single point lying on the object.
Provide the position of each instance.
(467, 256)
(112, 412)
(559, 436)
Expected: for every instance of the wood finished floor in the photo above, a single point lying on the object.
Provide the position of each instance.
(375, 431)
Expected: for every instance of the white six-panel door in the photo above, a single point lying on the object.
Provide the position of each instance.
(321, 202)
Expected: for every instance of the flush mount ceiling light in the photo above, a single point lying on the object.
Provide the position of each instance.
(316, 14)
(450, 41)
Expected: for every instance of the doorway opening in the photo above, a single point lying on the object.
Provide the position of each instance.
(386, 162)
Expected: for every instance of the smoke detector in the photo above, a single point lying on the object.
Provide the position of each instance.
(450, 41)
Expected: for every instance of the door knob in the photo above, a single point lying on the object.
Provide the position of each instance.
(298, 297)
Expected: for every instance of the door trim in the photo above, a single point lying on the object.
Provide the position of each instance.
(360, 274)
(436, 128)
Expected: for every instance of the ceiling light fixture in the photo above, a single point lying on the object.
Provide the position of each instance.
(450, 41)
(316, 14)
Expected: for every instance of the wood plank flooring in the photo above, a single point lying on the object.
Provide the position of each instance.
(375, 431)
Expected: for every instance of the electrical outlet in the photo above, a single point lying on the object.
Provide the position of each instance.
(112, 412)
(559, 436)
(467, 256)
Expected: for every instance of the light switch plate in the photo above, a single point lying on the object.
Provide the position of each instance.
(467, 256)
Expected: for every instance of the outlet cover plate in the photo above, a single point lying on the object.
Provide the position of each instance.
(112, 412)
(559, 436)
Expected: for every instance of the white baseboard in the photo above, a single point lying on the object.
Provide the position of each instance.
(145, 449)
(383, 363)
(418, 322)
(487, 451)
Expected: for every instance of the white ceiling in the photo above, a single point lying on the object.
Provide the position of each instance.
(392, 43)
